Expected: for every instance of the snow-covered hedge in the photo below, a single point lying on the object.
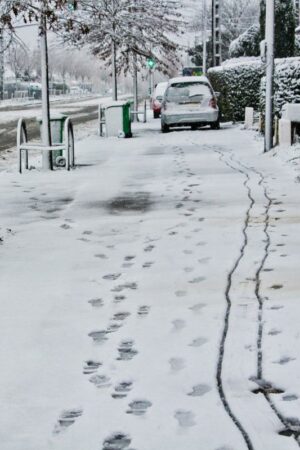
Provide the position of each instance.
(286, 84)
(241, 83)
(238, 82)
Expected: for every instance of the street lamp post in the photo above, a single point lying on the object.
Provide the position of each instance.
(204, 37)
(270, 32)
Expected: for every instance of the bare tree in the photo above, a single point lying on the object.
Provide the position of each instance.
(125, 32)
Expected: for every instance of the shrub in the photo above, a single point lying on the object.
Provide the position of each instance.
(247, 44)
(238, 82)
(286, 84)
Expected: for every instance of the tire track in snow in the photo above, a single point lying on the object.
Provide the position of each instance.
(289, 426)
(219, 375)
(260, 376)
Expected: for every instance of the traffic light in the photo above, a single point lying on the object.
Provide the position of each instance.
(72, 5)
(151, 63)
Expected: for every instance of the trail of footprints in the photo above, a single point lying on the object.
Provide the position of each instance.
(127, 349)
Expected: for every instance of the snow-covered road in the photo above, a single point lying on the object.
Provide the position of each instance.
(149, 299)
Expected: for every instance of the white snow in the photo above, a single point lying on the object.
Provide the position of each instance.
(158, 220)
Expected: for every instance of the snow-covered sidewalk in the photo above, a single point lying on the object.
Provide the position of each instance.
(147, 293)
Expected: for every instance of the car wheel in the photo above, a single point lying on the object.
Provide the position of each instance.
(155, 115)
(215, 125)
(165, 128)
(194, 127)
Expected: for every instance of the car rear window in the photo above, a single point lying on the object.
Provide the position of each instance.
(184, 93)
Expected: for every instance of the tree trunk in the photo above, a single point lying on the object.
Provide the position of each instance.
(46, 131)
(135, 88)
(114, 72)
(1, 65)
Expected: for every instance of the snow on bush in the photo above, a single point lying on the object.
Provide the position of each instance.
(241, 83)
(247, 44)
(238, 82)
(286, 84)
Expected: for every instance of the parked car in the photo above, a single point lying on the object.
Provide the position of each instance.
(189, 101)
(158, 98)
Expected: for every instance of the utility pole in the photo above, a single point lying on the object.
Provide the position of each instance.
(270, 32)
(204, 69)
(1, 65)
(216, 33)
(46, 131)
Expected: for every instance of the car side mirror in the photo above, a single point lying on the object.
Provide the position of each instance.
(218, 94)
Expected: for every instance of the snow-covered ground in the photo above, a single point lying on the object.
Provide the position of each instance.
(147, 293)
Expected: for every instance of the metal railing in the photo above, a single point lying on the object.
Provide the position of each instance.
(24, 146)
(138, 113)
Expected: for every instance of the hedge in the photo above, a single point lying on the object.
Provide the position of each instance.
(241, 83)
(238, 82)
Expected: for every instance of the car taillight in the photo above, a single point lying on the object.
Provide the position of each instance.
(156, 103)
(213, 103)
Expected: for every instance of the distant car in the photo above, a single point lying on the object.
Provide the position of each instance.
(158, 98)
(189, 101)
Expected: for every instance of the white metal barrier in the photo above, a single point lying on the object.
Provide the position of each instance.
(24, 146)
(101, 119)
(142, 113)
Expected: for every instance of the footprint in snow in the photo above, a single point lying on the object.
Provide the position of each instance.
(178, 324)
(100, 381)
(112, 276)
(180, 293)
(274, 332)
(177, 364)
(121, 287)
(199, 390)
(122, 389)
(117, 441)
(198, 342)
(143, 311)
(188, 252)
(66, 419)
(148, 264)
(120, 316)
(189, 269)
(197, 280)
(101, 256)
(91, 367)
(284, 360)
(139, 407)
(185, 418)
(290, 398)
(198, 307)
(126, 350)
(96, 302)
(99, 337)
(87, 232)
(65, 226)
(149, 248)
(113, 327)
(119, 298)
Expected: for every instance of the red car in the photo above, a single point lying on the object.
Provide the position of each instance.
(157, 99)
